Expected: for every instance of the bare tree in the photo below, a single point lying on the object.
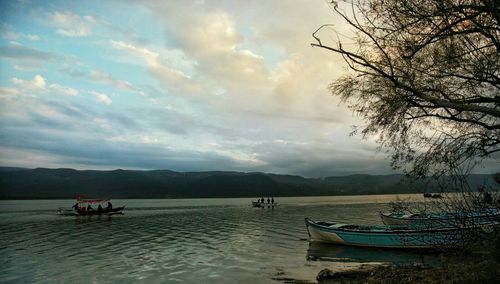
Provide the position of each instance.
(425, 75)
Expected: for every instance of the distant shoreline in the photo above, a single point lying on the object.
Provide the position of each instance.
(226, 197)
(41, 183)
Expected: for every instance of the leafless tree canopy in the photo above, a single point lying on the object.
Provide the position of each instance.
(425, 76)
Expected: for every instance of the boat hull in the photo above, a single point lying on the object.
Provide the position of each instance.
(117, 210)
(263, 205)
(436, 220)
(386, 237)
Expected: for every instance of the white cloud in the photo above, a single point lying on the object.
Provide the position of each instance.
(39, 85)
(63, 90)
(36, 84)
(8, 33)
(70, 24)
(9, 92)
(106, 78)
(168, 76)
(102, 98)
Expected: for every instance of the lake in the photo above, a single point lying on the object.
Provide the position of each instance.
(184, 241)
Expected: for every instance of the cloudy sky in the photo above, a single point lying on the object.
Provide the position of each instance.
(180, 85)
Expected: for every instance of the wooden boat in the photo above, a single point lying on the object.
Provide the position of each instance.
(257, 204)
(67, 211)
(263, 205)
(400, 237)
(104, 211)
(83, 207)
(430, 195)
(437, 219)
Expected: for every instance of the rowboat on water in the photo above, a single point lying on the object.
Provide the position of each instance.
(263, 205)
(440, 219)
(83, 207)
(401, 237)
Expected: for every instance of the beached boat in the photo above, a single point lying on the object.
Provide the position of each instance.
(83, 207)
(391, 236)
(440, 219)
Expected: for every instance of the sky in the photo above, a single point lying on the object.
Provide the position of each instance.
(179, 85)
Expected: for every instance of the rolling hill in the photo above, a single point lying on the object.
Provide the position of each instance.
(21, 183)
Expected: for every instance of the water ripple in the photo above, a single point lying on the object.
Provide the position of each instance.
(170, 243)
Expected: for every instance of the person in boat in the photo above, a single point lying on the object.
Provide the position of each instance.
(89, 208)
(110, 206)
(99, 208)
(76, 206)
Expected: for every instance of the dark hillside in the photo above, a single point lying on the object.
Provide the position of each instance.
(19, 183)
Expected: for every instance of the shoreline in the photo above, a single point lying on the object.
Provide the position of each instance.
(479, 264)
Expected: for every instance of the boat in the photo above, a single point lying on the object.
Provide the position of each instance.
(257, 204)
(430, 195)
(437, 219)
(263, 205)
(83, 207)
(398, 237)
(67, 211)
(104, 211)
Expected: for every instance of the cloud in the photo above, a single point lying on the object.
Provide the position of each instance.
(102, 98)
(102, 78)
(20, 52)
(35, 84)
(71, 25)
(63, 90)
(9, 92)
(8, 33)
(108, 79)
(39, 85)
(167, 75)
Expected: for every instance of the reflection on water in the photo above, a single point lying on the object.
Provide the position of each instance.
(191, 241)
(318, 251)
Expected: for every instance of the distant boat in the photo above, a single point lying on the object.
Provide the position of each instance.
(257, 204)
(430, 195)
(390, 236)
(434, 219)
(83, 208)
(263, 205)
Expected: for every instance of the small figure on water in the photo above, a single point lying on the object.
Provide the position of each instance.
(99, 208)
(262, 199)
(272, 200)
(268, 200)
(76, 206)
(89, 208)
(110, 206)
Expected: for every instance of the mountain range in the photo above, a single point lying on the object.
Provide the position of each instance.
(43, 183)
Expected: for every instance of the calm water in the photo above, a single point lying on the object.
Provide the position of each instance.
(187, 240)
